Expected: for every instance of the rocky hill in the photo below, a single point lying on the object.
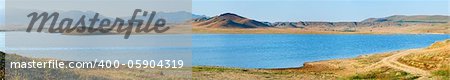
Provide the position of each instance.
(229, 20)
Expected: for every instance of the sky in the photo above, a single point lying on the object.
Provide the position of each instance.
(112, 8)
(2, 2)
(310, 10)
(319, 10)
(2, 11)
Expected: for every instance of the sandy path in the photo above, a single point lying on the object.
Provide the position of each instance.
(392, 61)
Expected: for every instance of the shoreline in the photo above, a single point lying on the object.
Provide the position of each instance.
(293, 31)
(337, 33)
(286, 68)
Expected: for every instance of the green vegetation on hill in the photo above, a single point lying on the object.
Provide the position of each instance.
(443, 73)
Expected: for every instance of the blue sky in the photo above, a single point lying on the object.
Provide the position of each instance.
(315, 10)
(2, 11)
(2, 2)
(319, 10)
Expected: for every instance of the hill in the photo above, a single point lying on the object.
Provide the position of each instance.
(233, 23)
(229, 20)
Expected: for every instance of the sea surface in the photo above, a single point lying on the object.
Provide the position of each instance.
(229, 50)
(292, 50)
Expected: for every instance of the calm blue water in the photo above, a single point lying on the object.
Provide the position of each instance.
(230, 50)
(292, 50)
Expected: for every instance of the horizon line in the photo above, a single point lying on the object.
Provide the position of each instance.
(448, 15)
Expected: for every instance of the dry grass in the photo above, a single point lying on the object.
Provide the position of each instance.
(133, 74)
(435, 58)
(223, 73)
(385, 73)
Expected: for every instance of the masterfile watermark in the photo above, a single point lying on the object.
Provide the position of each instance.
(99, 64)
(104, 26)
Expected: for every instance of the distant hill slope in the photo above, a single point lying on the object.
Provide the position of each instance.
(229, 20)
(415, 18)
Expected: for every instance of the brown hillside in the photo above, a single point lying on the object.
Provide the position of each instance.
(230, 20)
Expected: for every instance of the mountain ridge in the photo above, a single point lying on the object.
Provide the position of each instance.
(394, 20)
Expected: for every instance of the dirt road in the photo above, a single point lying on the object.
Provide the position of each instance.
(392, 61)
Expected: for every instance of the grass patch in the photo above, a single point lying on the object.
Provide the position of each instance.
(385, 73)
(444, 74)
(224, 73)
(370, 59)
